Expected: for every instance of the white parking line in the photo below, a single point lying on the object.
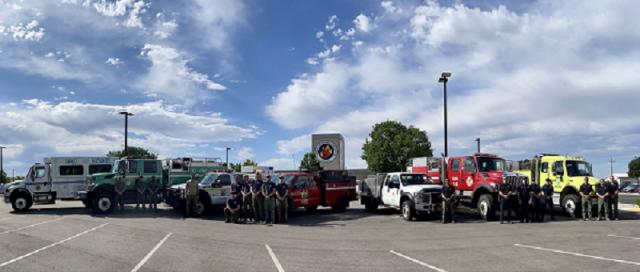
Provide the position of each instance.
(51, 245)
(417, 261)
(578, 254)
(29, 226)
(625, 237)
(146, 258)
(275, 259)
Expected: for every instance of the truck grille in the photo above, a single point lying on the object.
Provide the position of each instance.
(431, 197)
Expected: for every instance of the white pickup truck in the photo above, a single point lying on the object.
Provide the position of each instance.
(413, 194)
(215, 189)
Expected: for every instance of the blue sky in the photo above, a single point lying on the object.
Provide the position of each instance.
(261, 76)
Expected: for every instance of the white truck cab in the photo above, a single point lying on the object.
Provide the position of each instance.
(55, 178)
(214, 190)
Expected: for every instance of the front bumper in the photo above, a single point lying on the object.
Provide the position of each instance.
(428, 202)
(82, 195)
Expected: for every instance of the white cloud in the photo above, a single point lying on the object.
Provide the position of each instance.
(362, 23)
(389, 7)
(525, 83)
(281, 163)
(171, 76)
(114, 61)
(164, 28)
(29, 32)
(134, 9)
(295, 145)
(215, 19)
(333, 22)
(245, 153)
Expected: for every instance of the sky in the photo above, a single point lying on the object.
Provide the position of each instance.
(260, 77)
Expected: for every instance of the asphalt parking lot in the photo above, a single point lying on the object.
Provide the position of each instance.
(67, 237)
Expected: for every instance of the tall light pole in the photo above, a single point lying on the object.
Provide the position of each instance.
(611, 162)
(444, 78)
(478, 140)
(228, 148)
(1, 161)
(126, 131)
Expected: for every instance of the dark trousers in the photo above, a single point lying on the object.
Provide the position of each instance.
(613, 207)
(153, 200)
(524, 211)
(140, 199)
(231, 216)
(548, 204)
(504, 206)
(247, 207)
(536, 210)
(120, 200)
(447, 211)
(258, 207)
(282, 210)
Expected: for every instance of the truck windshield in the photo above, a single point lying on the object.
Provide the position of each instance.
(413, 179)
(208, 179)
(117, 166)
(490, 164)
(579, 169)
(287, 180)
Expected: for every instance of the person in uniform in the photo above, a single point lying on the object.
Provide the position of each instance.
(585, 194)
(504, 192)
(233, 208)
(237, 188)
(191, 195)
(448, 198)
(536, 202)
(613, 198)
(154, 187)
(247, 203)
(547, 192)
(258, 199)
(120, 188)
(603, 200)
(141, 190)
(282, 203)
(524, 200)
(269, 192)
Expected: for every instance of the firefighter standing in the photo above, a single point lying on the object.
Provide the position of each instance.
(141, 189)
(120, 188)
(448, 197)
(247, 203)
(258, 199)
(547, 191)
(269, 192)
(585, 193)
(524, 200)
(613, 198)
(191, 195)
(233, 208)
(154, 186)
(603, 200)
(237, 188)
(282, 204)
(504, 192)
(536, 202)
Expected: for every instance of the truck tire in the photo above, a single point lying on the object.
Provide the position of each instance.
(341, 205)
(570, 205)
(408, 212)
(104, 203)
(21, 203)
(486, 207)
(370, 206)
(200, 208)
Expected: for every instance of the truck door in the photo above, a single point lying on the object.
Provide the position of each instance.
(314, 191)
(39, 183)
(454, 172)
(300, 192)
(220, 189)
(391, 190)
(467, 174)
(544, 172)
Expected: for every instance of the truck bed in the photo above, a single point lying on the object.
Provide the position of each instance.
(372, 185)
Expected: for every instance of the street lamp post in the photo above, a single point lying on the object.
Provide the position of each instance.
(1, 161)
(126, 131)
(478, 140)
(228, 148)
(444, 78)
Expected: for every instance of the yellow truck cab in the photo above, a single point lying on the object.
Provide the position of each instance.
(566, 172)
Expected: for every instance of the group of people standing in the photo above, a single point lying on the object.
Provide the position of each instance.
(530, 202)
(145, 192)
(258, 201)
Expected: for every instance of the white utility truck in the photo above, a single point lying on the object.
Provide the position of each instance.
(55, 178)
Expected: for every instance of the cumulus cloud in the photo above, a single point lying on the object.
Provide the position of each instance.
(215, 19)
(163, 27)
(29, 32)
(77, 128)
(525, 82)
(295, 145)
(133, 9)
(332, 23)
(114, 61)
(171, 76)
(362, 23)
(245, 153)
(281, 163)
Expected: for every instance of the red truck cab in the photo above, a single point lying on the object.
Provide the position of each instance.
(310, 190)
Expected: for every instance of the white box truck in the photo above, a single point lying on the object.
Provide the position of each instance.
(53, 179)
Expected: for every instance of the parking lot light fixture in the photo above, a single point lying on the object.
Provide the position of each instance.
(444, 78)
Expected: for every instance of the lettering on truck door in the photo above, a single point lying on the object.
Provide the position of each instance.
(467, 173)
(454, 173)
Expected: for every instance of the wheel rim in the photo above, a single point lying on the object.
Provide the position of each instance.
(483, 209)
(104, 203)
(199, 208)
(405, 211)
(570, 206)
(21, 203)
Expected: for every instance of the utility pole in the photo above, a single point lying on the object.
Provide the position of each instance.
(1, 161)
(444, 78)
(228, 148)
(611, 162)
(126, 131)
(478, 140)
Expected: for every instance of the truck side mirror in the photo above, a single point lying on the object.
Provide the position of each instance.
(32, 174)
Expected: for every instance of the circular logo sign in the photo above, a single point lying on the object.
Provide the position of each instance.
(469, 181)
(326, 151)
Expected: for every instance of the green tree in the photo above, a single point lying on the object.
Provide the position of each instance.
(3, 177)
(134, 153)
(310, 162)
(390, 145)
(249, 162)
(634, 168)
